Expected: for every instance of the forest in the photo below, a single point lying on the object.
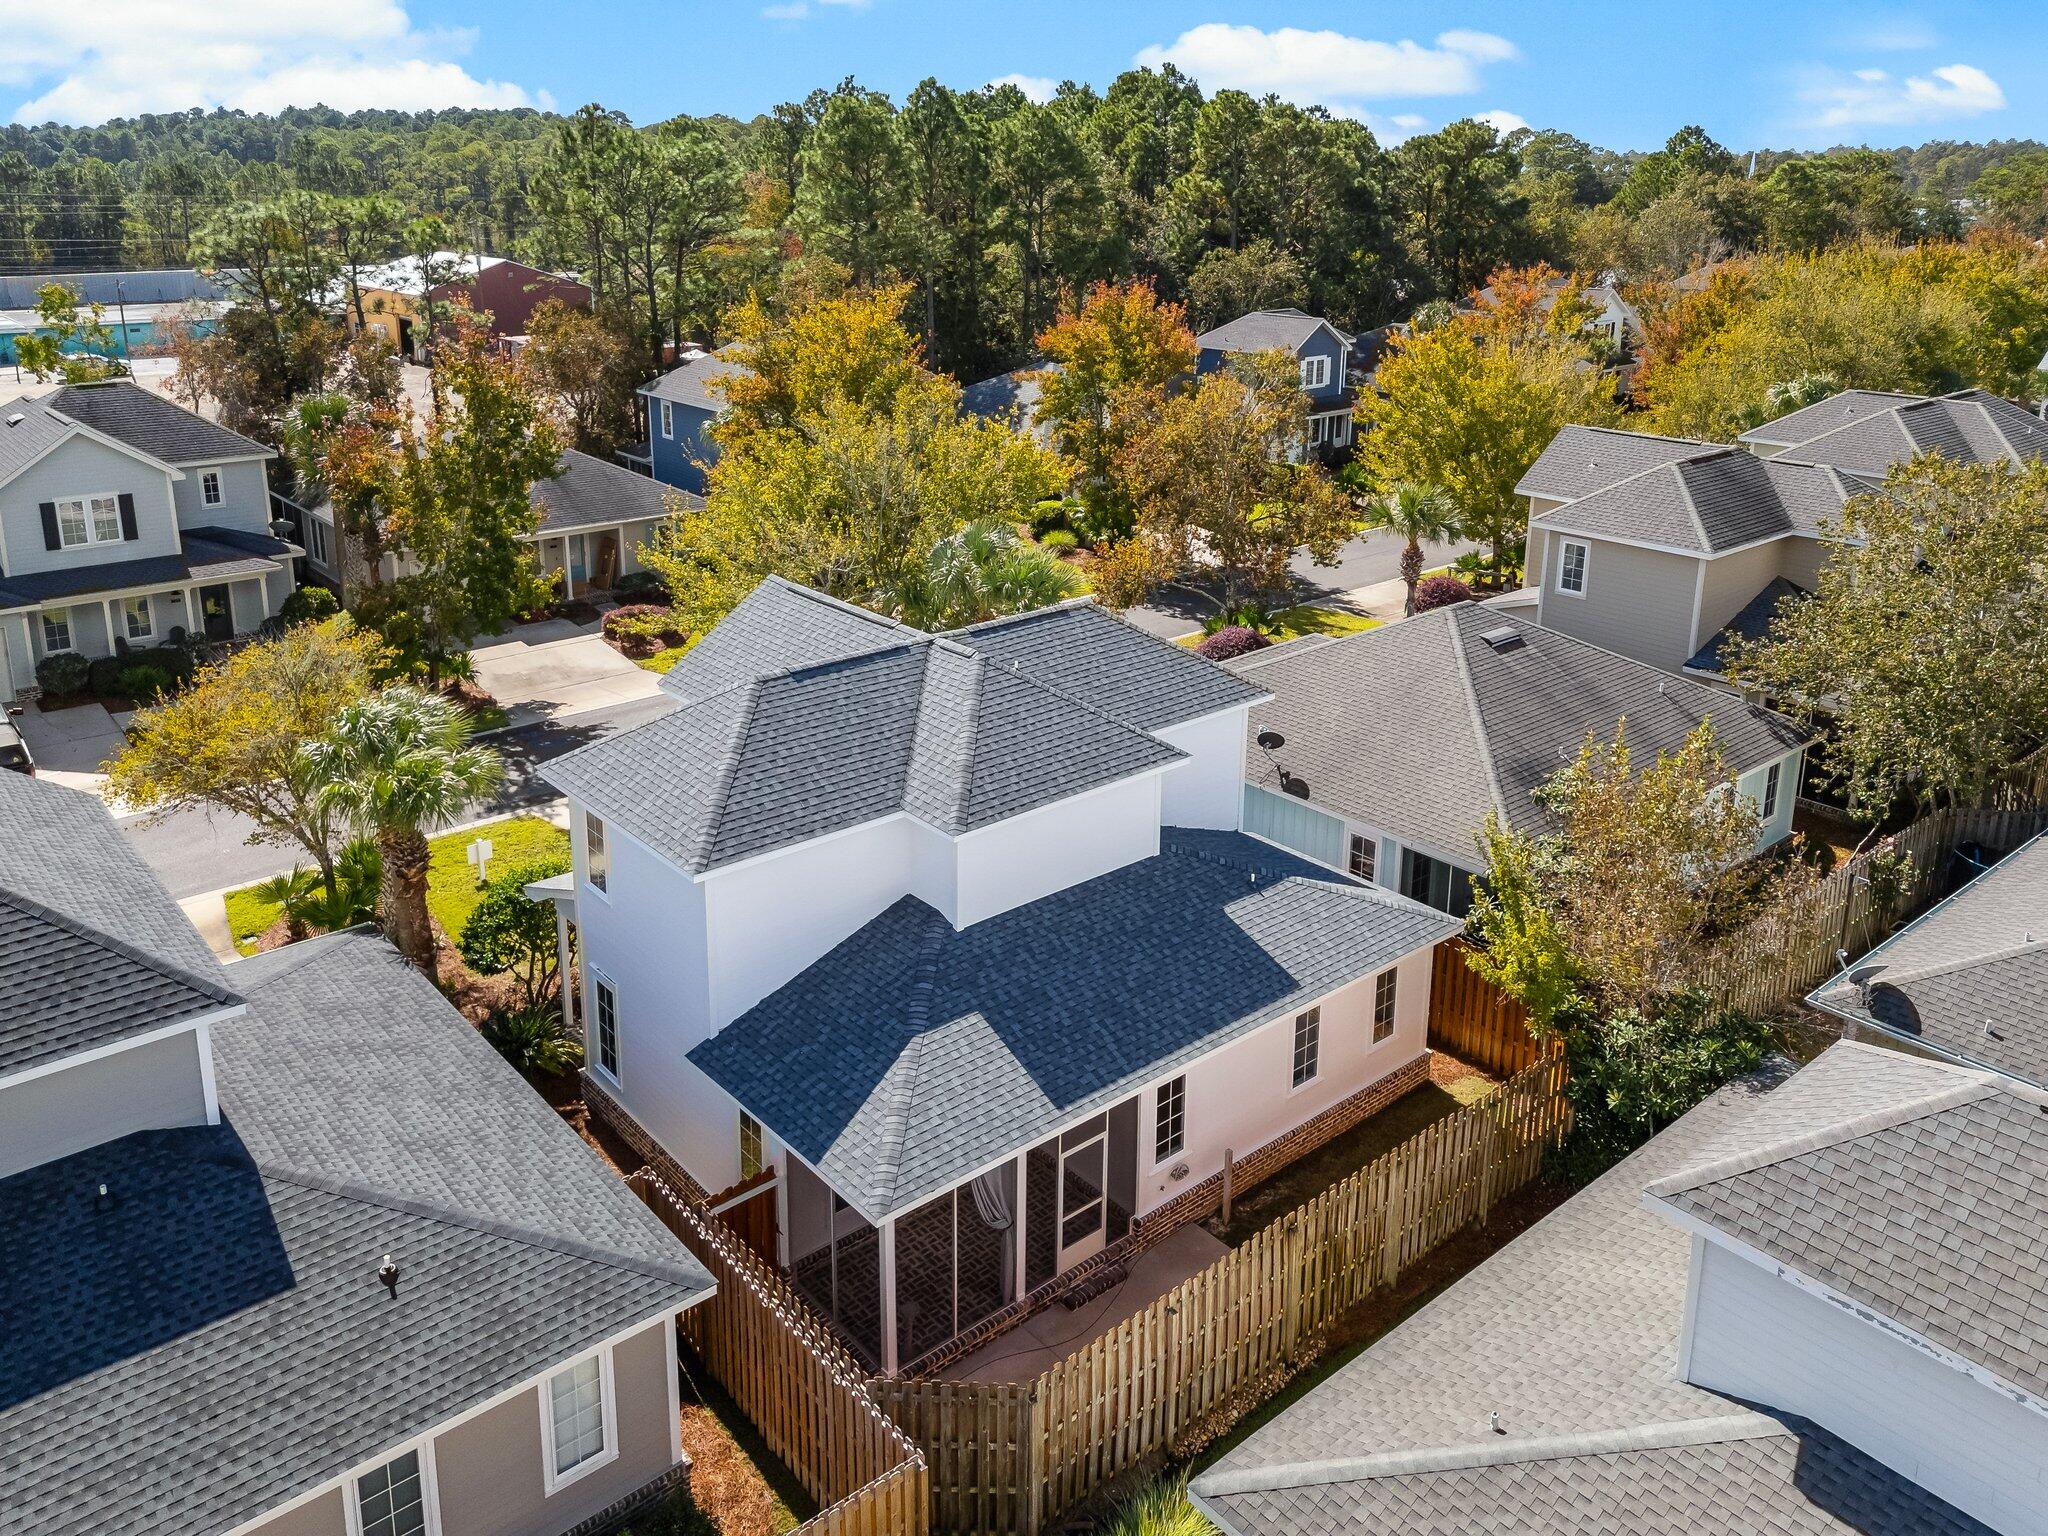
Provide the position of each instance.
(997, 211)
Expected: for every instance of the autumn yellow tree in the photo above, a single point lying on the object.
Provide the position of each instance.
(850, 348)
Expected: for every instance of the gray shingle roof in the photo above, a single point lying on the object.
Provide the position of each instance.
(1752, 622)
(1977, 960)
(1581, 460)
(1826, 415)
(1932, 1213)
(778, 627)
(1264, 329)
(689, 383)
(1970, 426)
(23, 442)
(589, 493)
(166, 432)
(1009, 397)
(214, 1340)
(208, 554)
(913, 1053)
(1421, 728)
(1714, 500)
(1570, 1333)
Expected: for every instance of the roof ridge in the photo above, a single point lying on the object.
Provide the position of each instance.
(1692, 510)
(286, 1173)
(1500, 801)
(1991, 421)
(721, 792)
(1631, 478)
(1966, 962)
(959, 778)
(1975, 1087)
(895, 1125)
(826, 599)
(218, 990)
(1676, 1434)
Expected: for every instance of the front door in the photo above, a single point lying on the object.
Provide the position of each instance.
(1084, 1179)
(579, 559)
(217, 613)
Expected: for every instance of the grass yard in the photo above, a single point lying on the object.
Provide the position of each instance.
(1306, 619)
(451, 885)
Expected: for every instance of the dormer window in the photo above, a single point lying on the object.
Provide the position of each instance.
(209, 488)
(1315, 372)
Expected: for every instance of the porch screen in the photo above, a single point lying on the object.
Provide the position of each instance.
(955, 1261)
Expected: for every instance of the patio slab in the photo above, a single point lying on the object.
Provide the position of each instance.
(558, 668)
(1048, 1337)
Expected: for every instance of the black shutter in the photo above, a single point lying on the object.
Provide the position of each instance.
(128, 517)
(50, 536)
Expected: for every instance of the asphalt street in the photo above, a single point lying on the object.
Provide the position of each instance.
(196, 851)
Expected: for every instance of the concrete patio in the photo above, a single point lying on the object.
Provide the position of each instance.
(555, 668)
(1048, 1337)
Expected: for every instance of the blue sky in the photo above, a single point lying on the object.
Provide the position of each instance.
(1792, 73)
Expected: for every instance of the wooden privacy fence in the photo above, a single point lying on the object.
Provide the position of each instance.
(1774, 963)
(1008, 1459)
(1475, 1020)
(795, 1383)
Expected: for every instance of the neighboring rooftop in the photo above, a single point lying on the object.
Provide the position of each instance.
(164, 286)
(913, 1053)
(1810, 421)
(1752, 622)
(361, 1116)
(1710, 501)
(592, 493)
(689, 383)
(168, 433)
(1970, 426)
(1419, 729)
(1581, 460)
(1570, 1334)
(1265, 329)
(207, 554)
(1966, 979)
(1008, 397)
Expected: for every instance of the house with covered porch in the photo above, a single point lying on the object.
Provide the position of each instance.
(955, 946)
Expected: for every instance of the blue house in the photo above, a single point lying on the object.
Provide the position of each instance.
(1318, 346)
(680, 407)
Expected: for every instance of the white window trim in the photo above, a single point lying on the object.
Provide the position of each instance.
(761, 1159)
(1585, 568)
(85, 504)
(1180, 1151)
(1293, 1037)
(593, 1048)
(1315, 372)
(1373, 1038)
(1767, 792)
(43, 634)
(430, 1489)
(668, 420)
(148, 616)
(605, 832)
(552, 1482)
(220, 486)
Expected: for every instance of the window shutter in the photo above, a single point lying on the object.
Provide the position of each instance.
(128, 517)
(50, 537)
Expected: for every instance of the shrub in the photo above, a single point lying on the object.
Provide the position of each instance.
(1057, 539)
(175, 661)
(507, 932)
(309, 605)
(675, 1515)
(1232, 640)
(1048, 517)
(534, 1040)
(143, 682)
(103, 675)
(1158, 1509)
(63, 674)
(641, 587)
(641, 629)
(1440, 592)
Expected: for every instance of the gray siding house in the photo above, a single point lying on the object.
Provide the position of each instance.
(1323, 352)
(125, 518)
(1382, 753)
(290, 1250)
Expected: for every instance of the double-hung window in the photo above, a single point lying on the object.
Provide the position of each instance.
(1169, 1126)
(607, 1021)
(1364, 857)
(135, 618)
(1315, 372)
(1571, 568)
(751, 1159)
(576, 1415)
(1308, 1045)
(1772, 776)
(87, 520)
(597, 861)
(668, 418)
(395, 1499)
(56, 630)
(209, 487)
(1383, 1005)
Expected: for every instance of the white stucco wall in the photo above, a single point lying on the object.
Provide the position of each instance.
(1240, 1096)
(1206, 790)
(153, 1085)
(1762, 1339)
(1056, 846)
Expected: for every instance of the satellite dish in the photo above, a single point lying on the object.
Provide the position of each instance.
(1298, 788)
(1272, 741)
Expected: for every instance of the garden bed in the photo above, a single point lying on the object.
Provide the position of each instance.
(1304, 619)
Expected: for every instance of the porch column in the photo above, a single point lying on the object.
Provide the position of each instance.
(887, 1232)
(195, 626)
(568, 576)
(1017, 1258)
(107, 605)
(570, 1012)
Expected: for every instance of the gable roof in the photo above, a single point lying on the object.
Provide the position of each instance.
(689, 382)
(913, 1053)
(1421, 728)
(1711, 501)
(1810, 421)
(1570, 1334)
(1009, 397)
(1265, 329)
(1971, 426)
(1581, 460)
(167, 432)
(361, 1116)
(1932, 1212)
(586, 492)
(1966, 978)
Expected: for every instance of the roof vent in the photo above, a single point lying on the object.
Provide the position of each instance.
(388, 1273)
(1504, 638)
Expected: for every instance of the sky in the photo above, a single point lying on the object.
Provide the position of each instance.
(1789, 74)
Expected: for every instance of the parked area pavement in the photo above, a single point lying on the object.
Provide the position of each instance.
(71, 745)
(558, 668)
(1048, 1337)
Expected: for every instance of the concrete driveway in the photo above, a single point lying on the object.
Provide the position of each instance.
(70, 745)
(547, 670)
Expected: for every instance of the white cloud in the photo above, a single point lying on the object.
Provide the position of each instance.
(1039, 88)
(1330, 69)
(1873, 96)
(797, 10)
(88, 63)
(1502, 123)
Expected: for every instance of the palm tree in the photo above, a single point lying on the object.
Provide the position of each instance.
(1420, 514)
(396, 765)
(981, 571)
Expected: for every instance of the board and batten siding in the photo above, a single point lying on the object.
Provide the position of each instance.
(1638, 602)
(1764, 1340)
(1295, 824)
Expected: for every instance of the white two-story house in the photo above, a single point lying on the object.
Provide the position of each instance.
(127, 521)
(957, 944)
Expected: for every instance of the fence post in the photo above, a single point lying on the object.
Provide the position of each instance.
(1292, 1256)
(1393, 1223)
(1037, 1431)
(1229, 1179)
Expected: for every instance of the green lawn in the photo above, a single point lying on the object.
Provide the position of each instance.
(1293, 623)
(451, 885)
